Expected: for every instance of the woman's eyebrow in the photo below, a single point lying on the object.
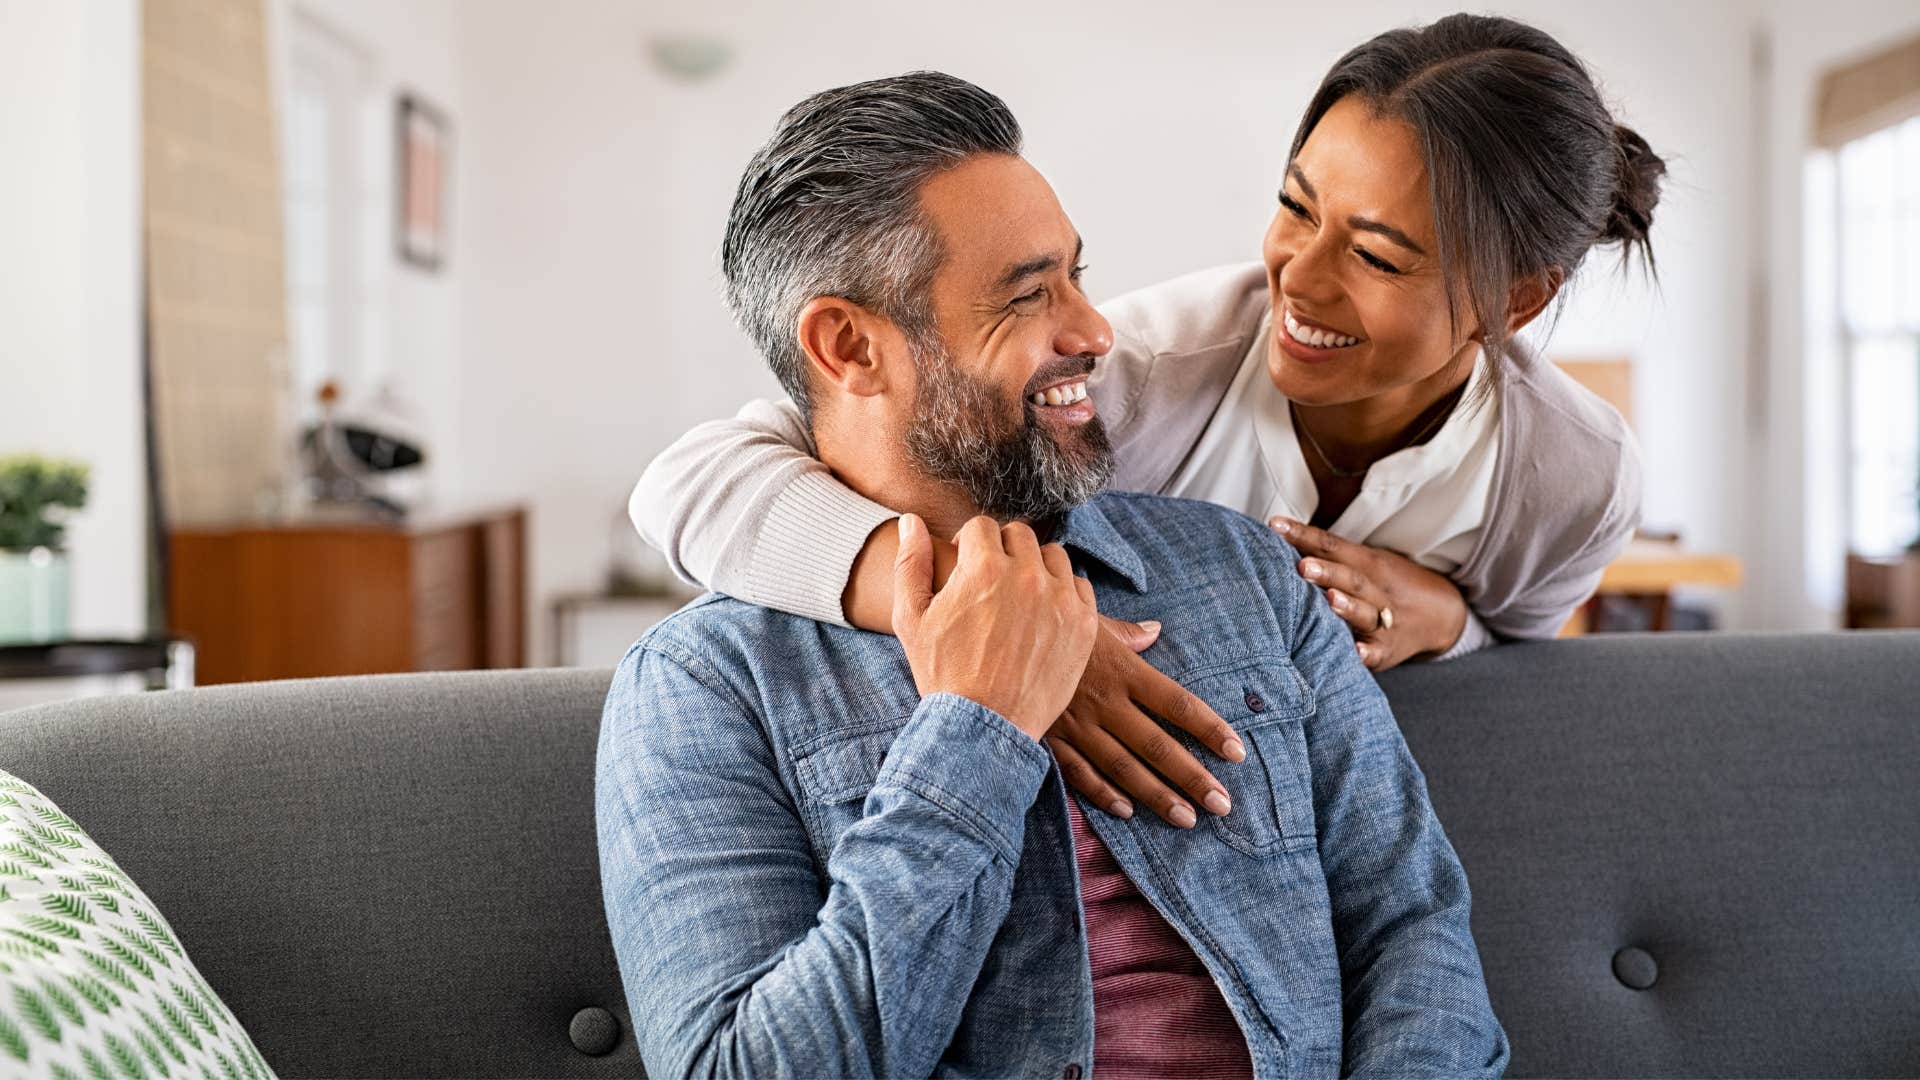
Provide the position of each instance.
(1358, 223)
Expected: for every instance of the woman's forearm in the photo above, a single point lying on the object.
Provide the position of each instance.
(868, 599)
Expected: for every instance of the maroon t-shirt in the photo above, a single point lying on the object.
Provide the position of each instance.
(1156, 1010)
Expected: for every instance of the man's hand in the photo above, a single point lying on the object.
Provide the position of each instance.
(1011, 629)
(1428, 612)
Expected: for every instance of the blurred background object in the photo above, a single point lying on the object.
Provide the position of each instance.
(215, 207)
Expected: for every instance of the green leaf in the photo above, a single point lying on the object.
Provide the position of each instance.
(69, 906)
(38, 942)
(11, 1040)
(106, 900)
(128, 957)
(157, 930)
(179, 1021)
(25, 854)
(36, 1012)
(226, 1065)
(152, 1050)
(214, 1004)
(58, 820)
(108, 968)
(125, 1058)
(47, 925)
(54, 837)
(166, 1039)
(65, 1003)
(134, 939)
(97, 994)
(95, 1067)
(61, 1072)
(194, 1008)
(103, 881)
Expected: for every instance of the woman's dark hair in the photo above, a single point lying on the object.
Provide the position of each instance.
(1528, 170)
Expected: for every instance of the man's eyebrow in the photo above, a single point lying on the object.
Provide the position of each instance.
(1039, 264)
(1358, 223)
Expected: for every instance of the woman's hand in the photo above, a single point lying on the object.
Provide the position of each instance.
(1428, 614)
(1106, 730)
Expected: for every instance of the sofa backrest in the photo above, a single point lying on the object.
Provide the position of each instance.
(396, 875)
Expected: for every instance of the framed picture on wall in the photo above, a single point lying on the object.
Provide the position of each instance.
(422, 153)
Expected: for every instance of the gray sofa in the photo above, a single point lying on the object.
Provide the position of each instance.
(1690, 855)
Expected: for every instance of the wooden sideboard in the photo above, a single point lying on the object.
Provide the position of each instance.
(306, 598)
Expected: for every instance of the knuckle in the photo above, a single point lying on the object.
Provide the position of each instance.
(1159, 749)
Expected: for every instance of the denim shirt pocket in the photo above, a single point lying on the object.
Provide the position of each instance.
(1267, 703)
(835, 774)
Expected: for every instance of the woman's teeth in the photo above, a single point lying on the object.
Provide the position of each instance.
(1316, 337)
(1061, 395)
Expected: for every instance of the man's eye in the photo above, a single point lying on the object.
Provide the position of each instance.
(1032, 296)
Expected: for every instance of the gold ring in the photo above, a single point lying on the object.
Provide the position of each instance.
(1386, 618)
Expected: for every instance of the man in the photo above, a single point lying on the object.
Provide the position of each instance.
(833, 853)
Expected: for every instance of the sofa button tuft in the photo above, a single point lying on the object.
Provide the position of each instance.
(1071, 1072)
(1634, 967)
(594, 1031)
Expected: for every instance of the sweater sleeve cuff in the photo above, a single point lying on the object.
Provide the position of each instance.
(1473, 638)
(972, 763)
(812, 533)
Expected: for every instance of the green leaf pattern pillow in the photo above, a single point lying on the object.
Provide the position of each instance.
(93, 983)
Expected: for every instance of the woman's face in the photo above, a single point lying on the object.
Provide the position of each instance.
(1353, 269)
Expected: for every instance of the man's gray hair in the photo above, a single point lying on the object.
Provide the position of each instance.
(830, 207)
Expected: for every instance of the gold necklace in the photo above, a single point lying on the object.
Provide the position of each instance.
(1352, 474)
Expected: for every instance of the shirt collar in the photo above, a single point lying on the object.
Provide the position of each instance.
(1086, 530)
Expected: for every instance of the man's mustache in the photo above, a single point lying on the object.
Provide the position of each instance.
(1054, 371)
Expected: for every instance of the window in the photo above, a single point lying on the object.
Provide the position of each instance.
(324, 136)
(1879, 325)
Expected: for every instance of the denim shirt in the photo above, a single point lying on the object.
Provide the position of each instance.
(809, 870)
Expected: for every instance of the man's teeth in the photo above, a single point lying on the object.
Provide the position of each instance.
(1316, 337)
(1061, 395)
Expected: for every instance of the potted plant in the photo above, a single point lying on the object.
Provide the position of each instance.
(36, 495)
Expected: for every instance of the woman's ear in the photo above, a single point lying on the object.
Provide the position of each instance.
(846, 345)
(1530, 296)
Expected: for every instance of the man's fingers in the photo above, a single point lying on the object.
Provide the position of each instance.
(912, 573)
(979, 536)
(1082, 777)
(1057, 561)
(1180, 707)
(1017, 538)
(1085, 590)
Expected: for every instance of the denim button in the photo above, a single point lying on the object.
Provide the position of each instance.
(1255, 702)
(1635, 968)
(1071, 1072)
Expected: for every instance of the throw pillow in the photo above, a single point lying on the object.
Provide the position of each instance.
(94, 985)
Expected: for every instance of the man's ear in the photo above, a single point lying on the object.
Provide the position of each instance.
(1530, 296)
(848, 346)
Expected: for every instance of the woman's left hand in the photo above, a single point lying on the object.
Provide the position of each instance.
(1364, 584)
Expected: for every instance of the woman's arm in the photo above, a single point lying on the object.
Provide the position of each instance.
(741, 506)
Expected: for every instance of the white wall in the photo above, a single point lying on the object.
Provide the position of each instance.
(69, 307)
(596, 192)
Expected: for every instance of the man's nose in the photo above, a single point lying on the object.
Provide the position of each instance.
(1084, 331)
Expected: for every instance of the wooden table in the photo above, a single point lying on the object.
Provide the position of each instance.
(1652, 569)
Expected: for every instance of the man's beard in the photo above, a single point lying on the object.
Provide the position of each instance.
(1014, 469)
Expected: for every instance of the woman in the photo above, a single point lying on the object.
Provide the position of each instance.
(1361, 389)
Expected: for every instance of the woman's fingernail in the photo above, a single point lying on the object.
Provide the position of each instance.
(1313, 571)
(1235, 750)
(1338, 601)
(1279, 525)
(1182, 815)
(1120, 808)
(1218, 802)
